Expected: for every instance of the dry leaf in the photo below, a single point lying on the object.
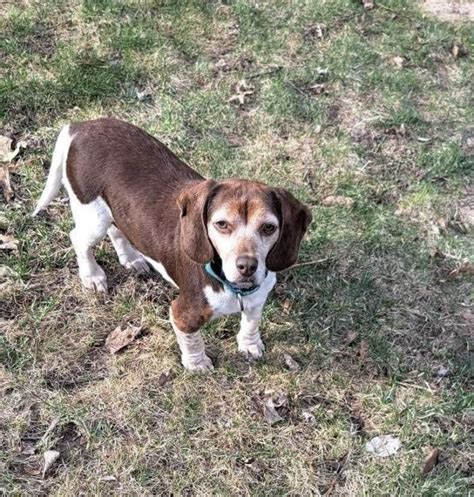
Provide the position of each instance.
(165, 378)
(338, 200)
(274, 407)
(7, 152)
(430, 461)
(317, 89)
(242, 90)
(368, 4)
(398, 61)
(107, 478)
(465, 268)
(5, 183)
(8, 243)
(351, 337)
(286, 306)
(458, 51)
(383, 446)
(291, 364)
(50, 457)
(363, 350)
(120, 338)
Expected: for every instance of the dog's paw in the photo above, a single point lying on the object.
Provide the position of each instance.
(201, 365)
(96, 281)
(139, 265)
(252, 350)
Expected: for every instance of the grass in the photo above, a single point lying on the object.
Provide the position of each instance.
(380, 326)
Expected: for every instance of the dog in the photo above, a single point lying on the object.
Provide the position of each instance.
(219, 242)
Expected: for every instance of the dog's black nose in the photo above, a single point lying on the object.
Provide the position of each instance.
(246, 265)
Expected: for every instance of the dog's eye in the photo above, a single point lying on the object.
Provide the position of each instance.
(222, 225)
(268, 229)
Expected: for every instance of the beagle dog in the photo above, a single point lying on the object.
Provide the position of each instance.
(219, 242)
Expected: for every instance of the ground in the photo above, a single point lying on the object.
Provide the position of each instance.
(363, 113)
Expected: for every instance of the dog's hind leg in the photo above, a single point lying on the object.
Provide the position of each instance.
(92, 221)
(128, 255)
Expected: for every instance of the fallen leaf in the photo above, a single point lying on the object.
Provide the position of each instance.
(107, 478)
(165, 378)
(291, 364)
(120, 338)
(338, 200)
(351, 337)
(398, 61)
(8, 243)
(363, 350)
(5, 183)
(286, 306)
(465, 268)
(458, 51)
(50, 457)
(383, 446)
(368, 4)
(317, 89)
(9, 149)
(431, 460)
(274, 407)
(242, 90)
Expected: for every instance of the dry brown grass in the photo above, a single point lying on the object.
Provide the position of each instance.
(380, 324)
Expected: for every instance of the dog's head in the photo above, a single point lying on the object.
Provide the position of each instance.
(245, 226)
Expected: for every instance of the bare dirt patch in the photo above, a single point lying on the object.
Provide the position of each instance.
(452, 11)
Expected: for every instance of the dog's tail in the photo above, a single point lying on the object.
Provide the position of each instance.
(55, 176)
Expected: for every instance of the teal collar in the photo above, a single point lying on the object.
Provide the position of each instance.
(239, 292)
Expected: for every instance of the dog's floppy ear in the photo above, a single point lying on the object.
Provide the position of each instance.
(192, 203)
(294, 220)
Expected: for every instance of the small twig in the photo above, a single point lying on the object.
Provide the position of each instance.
(299, 90)
(273, 70)
(51, 427)
(310, 263)
(342, 463)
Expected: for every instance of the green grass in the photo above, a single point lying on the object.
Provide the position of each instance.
(389, 271)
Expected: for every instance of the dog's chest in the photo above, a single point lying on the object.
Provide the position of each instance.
(225, 302)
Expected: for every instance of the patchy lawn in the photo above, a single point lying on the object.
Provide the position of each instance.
(366, 114)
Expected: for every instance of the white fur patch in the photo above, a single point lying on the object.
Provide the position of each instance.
(225, 302)
(193, 354)
(159, 268)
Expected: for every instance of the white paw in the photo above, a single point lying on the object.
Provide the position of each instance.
(96, 281)
(139, 265)
(201, 365)
(252, 350)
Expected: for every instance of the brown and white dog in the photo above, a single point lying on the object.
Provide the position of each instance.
(219, 242)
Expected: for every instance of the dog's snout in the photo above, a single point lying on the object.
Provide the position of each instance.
(246, 265)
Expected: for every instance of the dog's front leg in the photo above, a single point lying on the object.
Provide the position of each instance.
(191, 344)
(248, 338)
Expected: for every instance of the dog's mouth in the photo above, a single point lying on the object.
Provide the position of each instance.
(247, 284)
